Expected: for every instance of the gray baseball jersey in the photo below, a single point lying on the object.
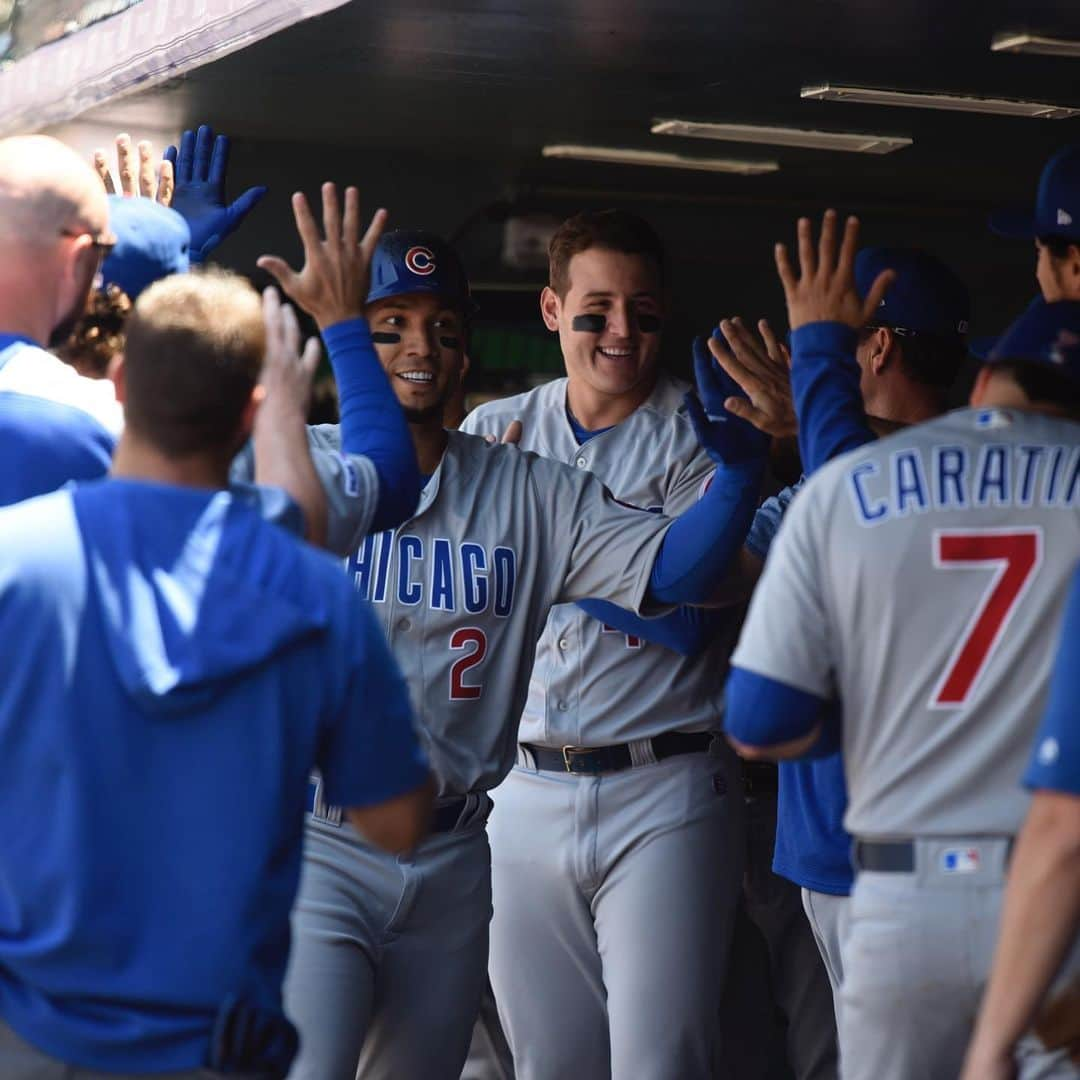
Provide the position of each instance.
(592, 685)
(922, 579)
(464, 588)
(350, 482)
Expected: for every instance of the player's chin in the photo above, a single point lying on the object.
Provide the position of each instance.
(616, 377)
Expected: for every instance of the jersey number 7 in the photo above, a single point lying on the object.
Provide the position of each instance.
(1013, 555)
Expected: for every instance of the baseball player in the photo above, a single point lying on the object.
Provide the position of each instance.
(911, 581)
(390, 955)
(907, 360)
(173, 668)
(1041, 911)
(1054, 226)
(616, 864)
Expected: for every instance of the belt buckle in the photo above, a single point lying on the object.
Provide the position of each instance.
(567, 751)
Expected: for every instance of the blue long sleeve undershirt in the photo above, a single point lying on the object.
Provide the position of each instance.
(825, 380)
(372, 423)
(696, 553)
(766, 712)
(686, 630)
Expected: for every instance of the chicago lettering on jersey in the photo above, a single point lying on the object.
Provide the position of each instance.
(446, 575)
(960, 478)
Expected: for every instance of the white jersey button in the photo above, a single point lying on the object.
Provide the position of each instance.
(405, 624)
(581, 463)
(564, 644)
(562, 706)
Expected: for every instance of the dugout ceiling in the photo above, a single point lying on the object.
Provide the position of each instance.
(439, 110)
(498, 79)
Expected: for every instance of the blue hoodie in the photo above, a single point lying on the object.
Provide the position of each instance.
(171, 669)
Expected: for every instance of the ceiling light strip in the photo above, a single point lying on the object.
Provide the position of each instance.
(1034, 43)
(863, 95)
(782, 136)
(613, 155)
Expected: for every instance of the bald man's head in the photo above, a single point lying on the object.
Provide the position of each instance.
(47, 189)
(54, 225)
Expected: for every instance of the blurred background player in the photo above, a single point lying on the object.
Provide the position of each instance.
(934, 726)
(1041, 911)
(1054, 226)
(55, 425)
(164, 631)
(390, 955)
(622, 804)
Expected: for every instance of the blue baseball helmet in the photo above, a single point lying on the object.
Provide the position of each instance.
(416, 261)
(152, 242)
(926, 296)
(1047, 334)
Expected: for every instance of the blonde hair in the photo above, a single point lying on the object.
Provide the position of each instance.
(194, 350)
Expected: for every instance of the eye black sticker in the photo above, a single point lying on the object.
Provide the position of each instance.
(385, 337)
(589, 324)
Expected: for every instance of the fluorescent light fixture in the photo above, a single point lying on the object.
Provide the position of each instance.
(1033, 43)
(782, 136)
(612, 155)
(954, 102)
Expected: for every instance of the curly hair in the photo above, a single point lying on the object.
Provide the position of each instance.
(99, 334)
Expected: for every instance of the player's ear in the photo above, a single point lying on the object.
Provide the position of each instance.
(247, 417)
(882, 348)
(116, 375)
(466, 363)
(550, 307)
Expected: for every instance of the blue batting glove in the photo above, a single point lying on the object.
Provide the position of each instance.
(726, 438)
(200, 169)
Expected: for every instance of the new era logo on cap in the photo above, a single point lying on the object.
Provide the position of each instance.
(1064, 217)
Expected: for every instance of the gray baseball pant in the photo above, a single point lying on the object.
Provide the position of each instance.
(389, 955)
(614, 897)
(827, 915)
(916, 958)
(19, 1060)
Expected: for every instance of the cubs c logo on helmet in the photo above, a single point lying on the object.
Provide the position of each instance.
(420, 260)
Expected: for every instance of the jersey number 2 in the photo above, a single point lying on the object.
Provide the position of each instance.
(1014, 556)
(474, 639)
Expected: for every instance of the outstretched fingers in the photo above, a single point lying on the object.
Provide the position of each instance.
(374, 232)
(785, 270)
(306, 225)
(280, 271)
(331, 212)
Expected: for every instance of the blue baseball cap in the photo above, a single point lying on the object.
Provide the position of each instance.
(152, 242)
(1057, 204)
(1046, 334)
(926, 297)
(417, 261)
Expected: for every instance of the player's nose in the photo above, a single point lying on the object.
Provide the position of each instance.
(621, 322)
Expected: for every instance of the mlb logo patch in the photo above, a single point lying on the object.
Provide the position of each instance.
(960, 860)
(993, 418)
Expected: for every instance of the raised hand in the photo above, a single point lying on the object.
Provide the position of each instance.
(825, 289)
(287, 371)
(332, 285)
(201, 166)
(727, 439)
(135, 169)
(762, 369)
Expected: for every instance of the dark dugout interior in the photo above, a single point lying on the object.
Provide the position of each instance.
(440, 111)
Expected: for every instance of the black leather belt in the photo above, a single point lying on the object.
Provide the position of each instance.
(593, 760)
(884, 856)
